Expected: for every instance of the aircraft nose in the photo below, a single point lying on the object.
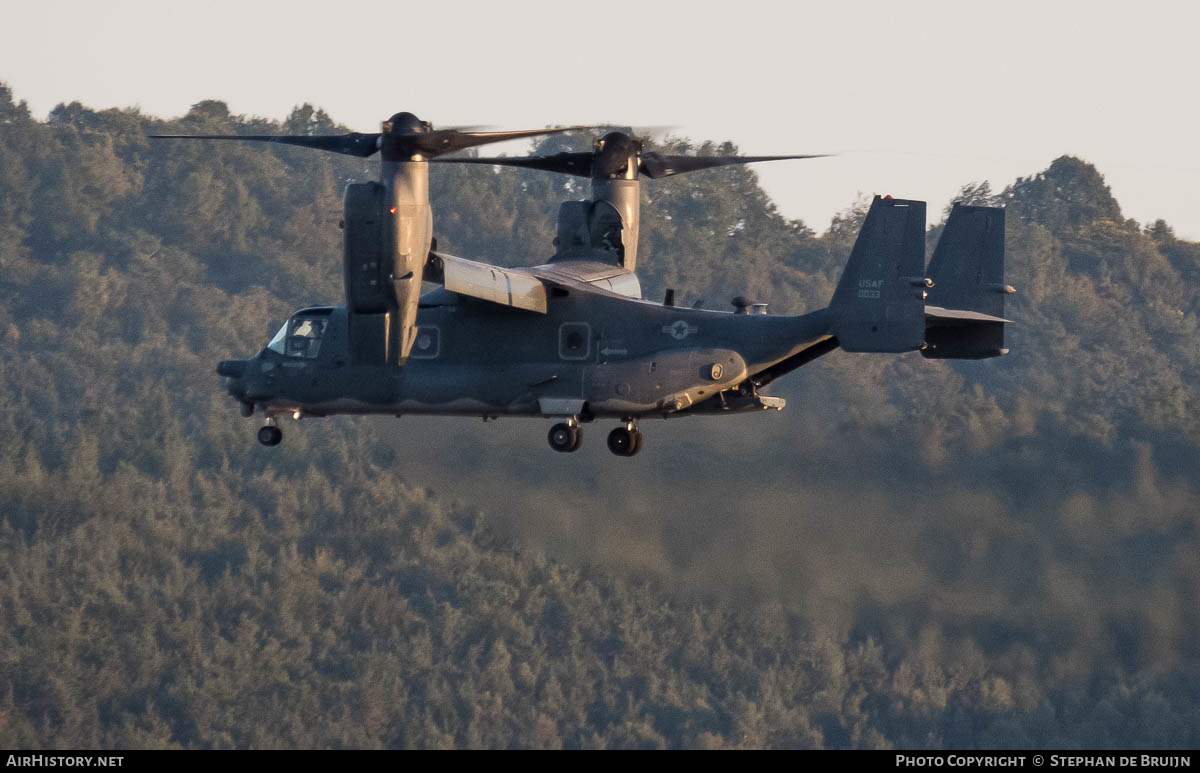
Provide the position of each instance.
(231, 368)
(239, 383)
(234, 371)
(250, 381)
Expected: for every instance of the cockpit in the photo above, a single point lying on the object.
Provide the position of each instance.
(301, 336)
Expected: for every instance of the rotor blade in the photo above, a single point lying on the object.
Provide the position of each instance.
(353, 144)
(658, 165)
(440, 141)
(566, 163)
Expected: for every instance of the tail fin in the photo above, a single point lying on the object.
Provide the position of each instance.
(965, 311)
(879, 304)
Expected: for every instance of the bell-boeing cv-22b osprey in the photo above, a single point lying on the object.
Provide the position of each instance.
(573, 339)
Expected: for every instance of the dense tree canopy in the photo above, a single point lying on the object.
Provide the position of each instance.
(1021, 534)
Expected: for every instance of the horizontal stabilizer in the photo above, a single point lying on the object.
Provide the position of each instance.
(976, 341)
(948, 316)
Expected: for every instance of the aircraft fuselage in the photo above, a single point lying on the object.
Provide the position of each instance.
(593, 354)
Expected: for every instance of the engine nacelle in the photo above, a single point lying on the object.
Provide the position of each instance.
(367, 263)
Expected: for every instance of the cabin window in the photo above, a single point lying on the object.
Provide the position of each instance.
(574, 340)
(428, 343)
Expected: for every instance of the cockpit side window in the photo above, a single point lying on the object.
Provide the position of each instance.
(300, 337)
(304, 338)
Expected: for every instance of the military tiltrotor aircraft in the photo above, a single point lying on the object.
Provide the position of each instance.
(573, 339)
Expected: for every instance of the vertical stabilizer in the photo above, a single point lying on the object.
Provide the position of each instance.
(965, 312)
(879, 305)
(968, 263)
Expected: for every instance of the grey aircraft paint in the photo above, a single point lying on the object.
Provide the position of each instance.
(573, 339)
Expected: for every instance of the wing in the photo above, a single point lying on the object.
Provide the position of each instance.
(527, 288)
(505, 286)
(590, 275)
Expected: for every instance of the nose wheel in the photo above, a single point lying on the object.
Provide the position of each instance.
(626, 440)
(565, 437)
(270, 435)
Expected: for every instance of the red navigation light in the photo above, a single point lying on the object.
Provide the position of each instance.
(393, 209)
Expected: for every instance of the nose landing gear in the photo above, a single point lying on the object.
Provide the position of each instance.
(625, 440)
(269, 434)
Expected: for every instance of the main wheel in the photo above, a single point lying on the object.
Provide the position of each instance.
(624, 442)
(270, 436)
(565, 438)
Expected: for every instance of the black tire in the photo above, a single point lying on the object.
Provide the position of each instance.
(270, 436)
(564, 438)
(622, 442)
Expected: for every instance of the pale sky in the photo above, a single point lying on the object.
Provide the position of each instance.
(917, 98)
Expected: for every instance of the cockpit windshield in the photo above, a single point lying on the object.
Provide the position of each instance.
(300, 336)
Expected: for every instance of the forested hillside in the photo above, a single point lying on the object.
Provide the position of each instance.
(913, 554)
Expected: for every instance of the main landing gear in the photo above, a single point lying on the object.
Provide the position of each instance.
(566, 437)
(625, 440)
